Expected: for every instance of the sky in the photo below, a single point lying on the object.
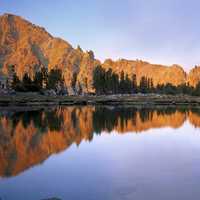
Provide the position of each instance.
(157, 31)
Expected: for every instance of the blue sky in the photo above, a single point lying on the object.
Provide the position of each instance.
(158, 31)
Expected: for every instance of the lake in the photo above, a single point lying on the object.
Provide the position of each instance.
(100, 153)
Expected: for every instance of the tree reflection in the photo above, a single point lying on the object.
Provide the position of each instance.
(28, 138)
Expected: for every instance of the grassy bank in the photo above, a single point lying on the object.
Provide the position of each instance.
(150, 99)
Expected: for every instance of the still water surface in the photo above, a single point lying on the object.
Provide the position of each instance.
(100, 153)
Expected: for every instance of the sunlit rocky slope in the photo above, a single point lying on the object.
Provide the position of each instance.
(28, 46)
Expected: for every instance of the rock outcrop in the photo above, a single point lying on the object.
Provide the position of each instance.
(160, 74)
(28, 47)
(194, 76)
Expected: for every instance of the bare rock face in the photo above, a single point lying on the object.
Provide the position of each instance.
(160, 74)
(28, 47)
(194, 76)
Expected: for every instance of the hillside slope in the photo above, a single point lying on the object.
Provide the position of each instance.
(28, 47)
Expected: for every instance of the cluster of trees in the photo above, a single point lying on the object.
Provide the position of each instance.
(108, 82)
(104, 82)
(41, 80)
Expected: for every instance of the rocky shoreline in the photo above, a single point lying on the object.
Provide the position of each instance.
(36, 100)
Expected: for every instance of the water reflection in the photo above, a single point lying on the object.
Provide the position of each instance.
(28, 138)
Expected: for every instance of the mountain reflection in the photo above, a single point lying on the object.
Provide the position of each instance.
(28, 138)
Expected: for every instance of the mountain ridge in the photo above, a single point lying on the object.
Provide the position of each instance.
(28, 46)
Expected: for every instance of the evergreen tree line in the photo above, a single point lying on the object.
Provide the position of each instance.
(108, 82)
(104, 82)
(42, 79)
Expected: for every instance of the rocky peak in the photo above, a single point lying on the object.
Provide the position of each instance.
(194, 76)
(26, 45)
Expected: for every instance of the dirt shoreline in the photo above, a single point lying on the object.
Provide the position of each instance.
(137, 100)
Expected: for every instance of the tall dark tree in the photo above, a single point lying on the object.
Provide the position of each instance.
(122, 84)
(73, 82)
(55, 78)
(16, 83)
(143, 85)
(99, 80)
(38, 80)
(27, 82)
(108, 81)
(80, 89)
(150, 87)
(196, 90)
(115, 83)
(134, 83)
(126, 85)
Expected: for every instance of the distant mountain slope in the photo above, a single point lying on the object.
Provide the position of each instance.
(28, 46)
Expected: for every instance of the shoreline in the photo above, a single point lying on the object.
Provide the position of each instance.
(36, 100)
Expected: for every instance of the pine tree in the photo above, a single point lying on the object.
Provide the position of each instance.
(115, 82)
(108, 81)
(134, 84)
(38, 80)
(99, 80)
(16, 83)
(128, 85)
(143, 85)
(73, 82)
(122, 83)
(149, 85)
(196, 90)
(27, 82)
(80, 89)
(54, 78)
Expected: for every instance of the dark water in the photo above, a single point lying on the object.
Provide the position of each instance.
(100, 153)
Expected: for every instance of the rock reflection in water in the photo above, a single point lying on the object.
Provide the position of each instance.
(28, 138)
